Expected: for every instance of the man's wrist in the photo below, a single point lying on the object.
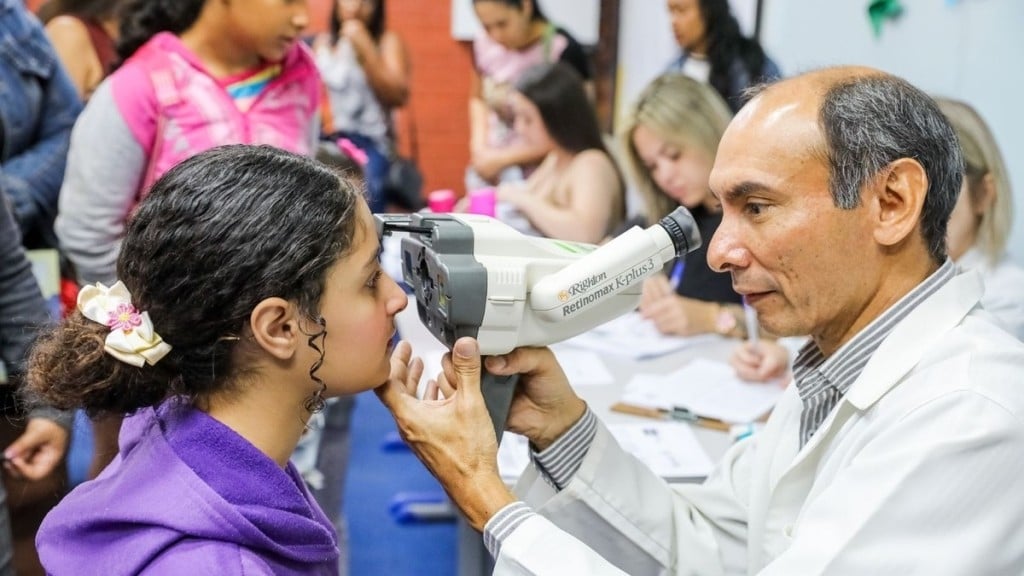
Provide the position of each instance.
(556, 430)
(559, 463)
(480, 499)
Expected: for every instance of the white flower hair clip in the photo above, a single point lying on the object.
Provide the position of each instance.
(132, 339)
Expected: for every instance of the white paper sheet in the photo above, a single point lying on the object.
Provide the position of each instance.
(633, 336)
(670, 449)
(706, 388)
(583, 367)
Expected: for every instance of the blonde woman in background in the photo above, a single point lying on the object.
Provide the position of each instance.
(980, 224)
(670, 140)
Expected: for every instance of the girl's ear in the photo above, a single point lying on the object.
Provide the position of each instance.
(275, 327)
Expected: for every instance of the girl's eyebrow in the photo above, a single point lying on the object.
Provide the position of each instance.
(374, 258)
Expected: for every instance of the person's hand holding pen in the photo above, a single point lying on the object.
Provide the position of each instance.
(760, 360)
(674, 314)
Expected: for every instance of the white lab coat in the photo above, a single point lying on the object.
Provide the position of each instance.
(917, 471)
(1004, 289)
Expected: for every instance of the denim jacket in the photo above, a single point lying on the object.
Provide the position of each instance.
(22, 313)
(38, 107)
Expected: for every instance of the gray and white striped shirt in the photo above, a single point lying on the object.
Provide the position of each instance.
(822, 382)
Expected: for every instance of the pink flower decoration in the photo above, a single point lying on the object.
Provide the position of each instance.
(124, 317)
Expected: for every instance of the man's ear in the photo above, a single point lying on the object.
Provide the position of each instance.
(898, 198)
(275, 327)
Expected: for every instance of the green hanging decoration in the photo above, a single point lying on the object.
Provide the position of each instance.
(881, 10)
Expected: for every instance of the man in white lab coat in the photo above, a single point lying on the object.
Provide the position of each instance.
(899, 449)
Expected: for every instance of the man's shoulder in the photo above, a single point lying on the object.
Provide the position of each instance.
(977, 356)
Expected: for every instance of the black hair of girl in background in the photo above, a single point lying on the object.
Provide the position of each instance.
(143, 19)
(537, 13)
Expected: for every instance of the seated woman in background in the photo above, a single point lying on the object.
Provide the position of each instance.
(980, 224)
(577, 192)
(516, 36)
(670, 140)
(83, 33)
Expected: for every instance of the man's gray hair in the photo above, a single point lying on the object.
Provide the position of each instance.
(871, 121)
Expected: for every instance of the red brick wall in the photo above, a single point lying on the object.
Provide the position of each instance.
(440, 86)
(439, 102)
(439, 105)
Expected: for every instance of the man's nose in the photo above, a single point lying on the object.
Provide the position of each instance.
(726, 250)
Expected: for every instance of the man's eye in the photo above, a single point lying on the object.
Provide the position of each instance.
(755, 209)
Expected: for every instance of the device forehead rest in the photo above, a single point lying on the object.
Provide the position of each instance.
(438, 263)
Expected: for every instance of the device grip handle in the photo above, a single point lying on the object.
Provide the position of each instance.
(498, 392)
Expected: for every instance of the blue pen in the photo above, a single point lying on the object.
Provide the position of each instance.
(677, 272)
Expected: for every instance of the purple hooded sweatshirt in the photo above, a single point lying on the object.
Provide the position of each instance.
(187, 495)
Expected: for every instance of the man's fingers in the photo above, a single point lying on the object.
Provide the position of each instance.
(412, 381)
(465, 360)
(431, 392)
(402, 353)
(445, 387)
(519, 361)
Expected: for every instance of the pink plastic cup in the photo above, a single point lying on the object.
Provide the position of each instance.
(482, 201)
(440, 201)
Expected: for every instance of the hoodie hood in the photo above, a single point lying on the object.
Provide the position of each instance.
(185, 487)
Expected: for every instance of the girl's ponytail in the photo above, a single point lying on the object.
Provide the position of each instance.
(143, 19)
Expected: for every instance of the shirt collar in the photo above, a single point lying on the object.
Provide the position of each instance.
(843, 367)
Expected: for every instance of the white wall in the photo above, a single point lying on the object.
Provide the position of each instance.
(968, 49)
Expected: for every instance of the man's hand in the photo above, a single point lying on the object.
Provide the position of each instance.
(761, 361)
(545, 406)
(454, 436)
(38, 450)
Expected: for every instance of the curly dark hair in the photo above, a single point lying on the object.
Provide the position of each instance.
(143, 19)
(219, 233)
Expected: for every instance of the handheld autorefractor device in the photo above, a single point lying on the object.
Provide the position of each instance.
(476, 276)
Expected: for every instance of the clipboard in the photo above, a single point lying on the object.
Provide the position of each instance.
(678, 413)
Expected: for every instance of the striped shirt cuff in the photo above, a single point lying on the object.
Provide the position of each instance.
(560, 462)
(502, 524)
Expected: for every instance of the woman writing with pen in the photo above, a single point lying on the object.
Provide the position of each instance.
(671, 138)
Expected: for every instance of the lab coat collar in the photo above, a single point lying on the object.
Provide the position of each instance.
(914, 336)
(895, 357)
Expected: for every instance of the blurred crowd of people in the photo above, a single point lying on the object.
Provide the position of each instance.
(105, 102)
